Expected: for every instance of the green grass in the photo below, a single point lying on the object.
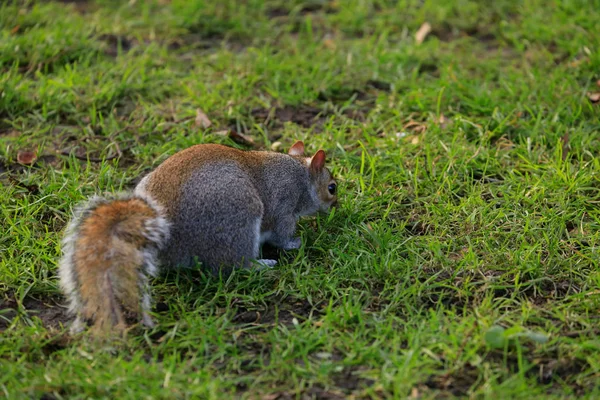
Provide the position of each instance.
(469, 190)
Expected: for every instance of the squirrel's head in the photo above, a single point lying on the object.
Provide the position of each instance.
(321, 178)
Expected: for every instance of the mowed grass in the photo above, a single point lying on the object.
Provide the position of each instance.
(461, 262)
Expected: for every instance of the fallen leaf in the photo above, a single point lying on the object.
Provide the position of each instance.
(237, 137)
(415, 126)
(15, 29)
(594, 97)
(598, 83)
(422, 33)
(202, 120)
(26, 157)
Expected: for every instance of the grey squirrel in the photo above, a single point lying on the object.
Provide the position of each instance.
(209, 203)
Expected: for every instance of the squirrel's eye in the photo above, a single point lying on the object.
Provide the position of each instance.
(332, 188)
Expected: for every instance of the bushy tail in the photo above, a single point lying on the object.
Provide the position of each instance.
(109, 251)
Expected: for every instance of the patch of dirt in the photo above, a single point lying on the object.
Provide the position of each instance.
(8, 168)
(196, 42)
(337, 95)
(82, 6)
(283, 313)
(428, 67)
(49, 65)
(46, 309)
(308, 7)
(418, 228)
(305, 116)
(457, 383)
(116, 42)
(316, 392)
(447, 33)
(553, 369)
(349, 380)
(379, 85)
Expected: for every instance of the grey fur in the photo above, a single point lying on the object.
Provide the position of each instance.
(226, 210)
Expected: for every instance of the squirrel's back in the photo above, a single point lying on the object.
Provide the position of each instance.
(219, 199)
(108, 247)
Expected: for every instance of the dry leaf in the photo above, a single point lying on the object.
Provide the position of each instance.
(415, 126)
(422, 33)
(594, 97)
(202, 120)
(598, 83)
(26, 157)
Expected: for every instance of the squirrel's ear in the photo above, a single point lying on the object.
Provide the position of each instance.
(317, 163)
(297, 149)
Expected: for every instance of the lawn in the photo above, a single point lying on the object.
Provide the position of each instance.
(462, 261)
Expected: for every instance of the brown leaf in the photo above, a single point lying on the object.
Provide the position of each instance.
(422, 33)
(202, 121)
(26, 157)
(598, 83)
(15, 29)
(594, 97)
(415, 126)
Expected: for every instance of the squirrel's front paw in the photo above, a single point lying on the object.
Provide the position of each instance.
(292, 244)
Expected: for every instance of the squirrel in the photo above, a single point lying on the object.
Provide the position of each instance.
(208, 204)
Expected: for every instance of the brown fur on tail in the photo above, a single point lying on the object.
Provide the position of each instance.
(109, 251)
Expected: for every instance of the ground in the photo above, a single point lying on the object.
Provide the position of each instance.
(462, 260)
